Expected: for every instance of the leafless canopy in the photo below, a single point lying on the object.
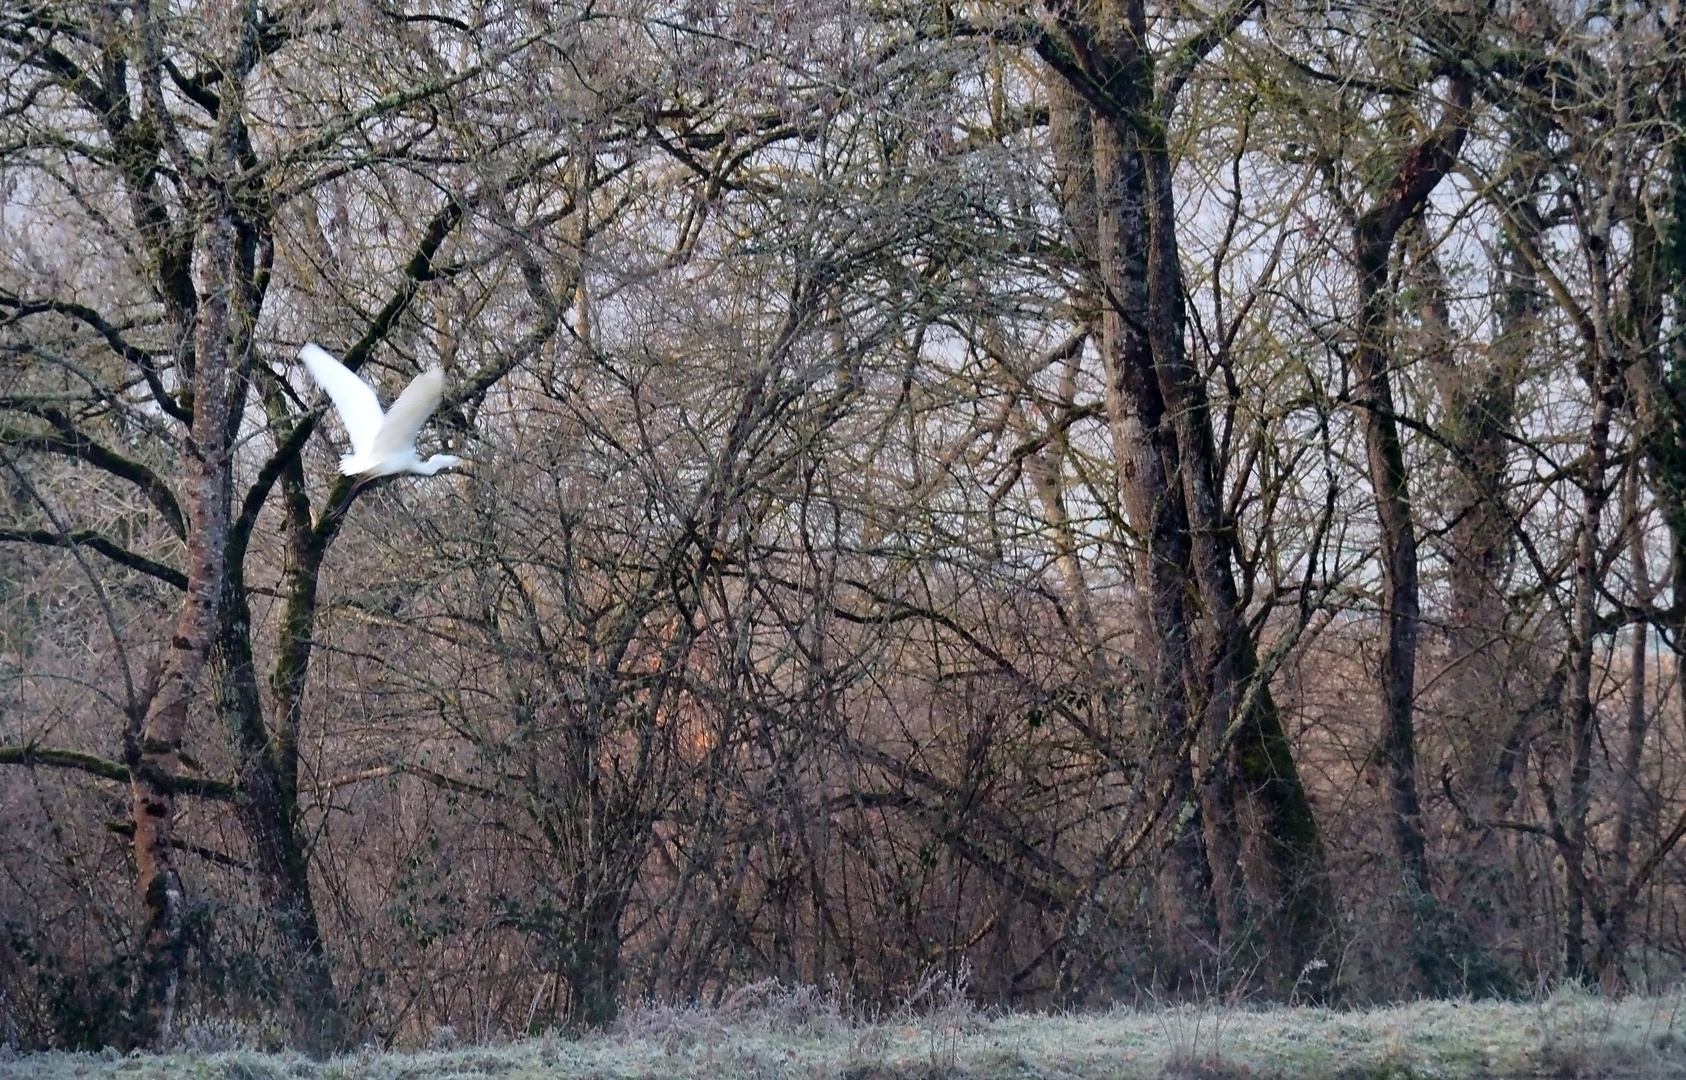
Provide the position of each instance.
(1112, 498)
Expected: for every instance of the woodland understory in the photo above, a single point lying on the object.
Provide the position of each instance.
(1093, 501)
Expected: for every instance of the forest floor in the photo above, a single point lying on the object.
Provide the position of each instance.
(803, 1036)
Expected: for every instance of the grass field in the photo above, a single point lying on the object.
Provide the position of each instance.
(781, 1034)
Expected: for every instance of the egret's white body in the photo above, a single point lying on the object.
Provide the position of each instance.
(381, 443)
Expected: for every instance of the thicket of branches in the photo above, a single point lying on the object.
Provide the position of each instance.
(1109, 497)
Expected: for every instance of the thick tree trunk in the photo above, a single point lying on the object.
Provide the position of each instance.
(591, 964)
(1097, 184)
(1148, 462)
(1397, 542)
(1282, 850)
(215, 371)
(269, 814)
(1374, 234)
(1262, 850)
(268, 759)
(153, 749)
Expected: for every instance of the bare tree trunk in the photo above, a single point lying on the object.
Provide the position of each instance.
(269, 813)
(1582, 718)
(1098, 185)
(269, 757)
(1374, 234)
(153, 750)
(1263, 853)
(1398, 544)
(1281, 848)
(1640, 326)
(1630, 801)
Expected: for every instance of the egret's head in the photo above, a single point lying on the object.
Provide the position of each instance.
(438, 462)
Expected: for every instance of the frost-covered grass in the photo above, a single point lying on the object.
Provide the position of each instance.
(800, 1035)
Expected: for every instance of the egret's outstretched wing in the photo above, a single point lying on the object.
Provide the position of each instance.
(358, 406)
(411, 410)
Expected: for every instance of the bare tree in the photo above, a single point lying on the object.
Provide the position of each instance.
(1007, 490)
(192, 183)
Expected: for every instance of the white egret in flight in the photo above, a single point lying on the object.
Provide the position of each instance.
(381, 443)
